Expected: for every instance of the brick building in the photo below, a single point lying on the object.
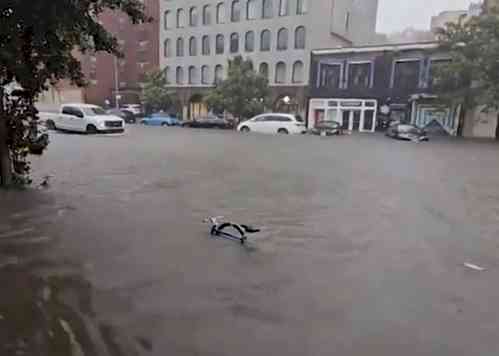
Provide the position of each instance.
(140, 46)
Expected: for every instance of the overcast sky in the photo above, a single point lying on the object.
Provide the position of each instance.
(395, 15)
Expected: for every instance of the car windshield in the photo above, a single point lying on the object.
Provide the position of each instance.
(93, 111)
(329, 122)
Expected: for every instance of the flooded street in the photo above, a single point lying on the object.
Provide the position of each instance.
(362, 249)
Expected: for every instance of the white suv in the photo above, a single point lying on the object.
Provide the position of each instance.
(274, 123)
(85, 118)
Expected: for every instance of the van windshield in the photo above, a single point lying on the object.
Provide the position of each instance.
(93, 111)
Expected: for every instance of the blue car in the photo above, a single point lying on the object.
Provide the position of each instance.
(160, 119)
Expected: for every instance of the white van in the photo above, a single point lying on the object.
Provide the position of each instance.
(85, 118)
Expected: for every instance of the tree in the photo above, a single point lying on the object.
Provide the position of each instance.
(244, 93)
(472, 76)
(38, 40)
(157, 96)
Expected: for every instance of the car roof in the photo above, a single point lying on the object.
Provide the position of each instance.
(275, 114)
(81, 105)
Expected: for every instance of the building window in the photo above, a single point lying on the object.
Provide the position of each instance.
(301, 7)
(436, 66)
(207, 15)
(234, 43)
(168, 19)
(298, 72)
(406, 74)
(180, 18)
(221, 13)
(268, 9)
(283, 7)
(219, 74)
(193, 16)
(280, 72)
(235, 15)
(219, 45)
(251, 10)
(193, 46)
(329, 75)
(205, 75)
(249, 41)
(168, 74)
(92, 75)
(142, 56)
(282, 39)
(167, 48)
(193, 75)
(179, 75)
(180, 47)
(205, 46)
(265, 41)
(300, 37)
(264, 70)
(359, 75)
(347, 21)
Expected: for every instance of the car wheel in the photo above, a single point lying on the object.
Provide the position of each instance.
(51, 125)
(245, 129)
(91, 129)
(283, 131)
(164, 124)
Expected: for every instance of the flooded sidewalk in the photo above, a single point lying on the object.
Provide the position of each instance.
(46, 304)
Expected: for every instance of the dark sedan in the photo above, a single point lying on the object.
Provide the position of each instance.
(327, 128)
(126, 115)
(406, 132)
(208, 123)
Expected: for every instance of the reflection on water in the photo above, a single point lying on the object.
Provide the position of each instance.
(45, 303)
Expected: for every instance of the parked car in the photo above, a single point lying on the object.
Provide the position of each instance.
(135, 109)
(208, 122)
(406, 132)
(327, 128)
(126, 115)
(160, 119)
(86, 118)
(274, 123)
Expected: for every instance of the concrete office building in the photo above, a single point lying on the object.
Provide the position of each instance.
(197, 37)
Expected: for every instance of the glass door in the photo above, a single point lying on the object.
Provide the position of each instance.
(345, 114)
(355, 116)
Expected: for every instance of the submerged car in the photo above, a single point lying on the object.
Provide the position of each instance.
(208, 122)
(135, 109)
(160, 119)
(327, 128)
(407, 132)
(86, 118)
(126, 115)
(274, 123)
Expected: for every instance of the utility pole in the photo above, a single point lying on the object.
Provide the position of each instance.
(117, 96)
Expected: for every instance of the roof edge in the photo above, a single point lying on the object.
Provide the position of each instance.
(378, 48)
